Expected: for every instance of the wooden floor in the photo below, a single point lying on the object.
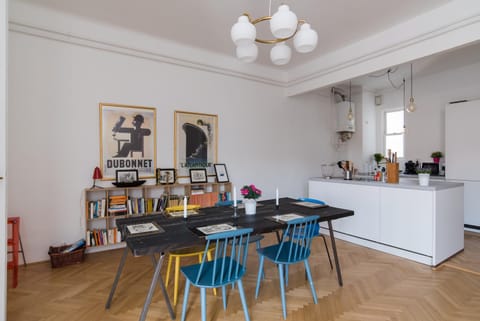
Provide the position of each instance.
(377, 287)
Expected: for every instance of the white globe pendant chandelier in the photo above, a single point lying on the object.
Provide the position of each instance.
(284, 25)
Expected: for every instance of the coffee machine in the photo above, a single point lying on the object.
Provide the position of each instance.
(411, 168)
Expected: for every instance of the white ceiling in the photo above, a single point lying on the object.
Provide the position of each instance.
(206, 24)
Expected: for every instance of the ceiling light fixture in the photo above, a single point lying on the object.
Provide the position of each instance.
(411, 106)
(284, 25)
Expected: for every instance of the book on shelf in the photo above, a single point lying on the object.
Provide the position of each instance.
(99, 237)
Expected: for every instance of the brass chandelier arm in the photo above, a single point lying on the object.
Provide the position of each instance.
(274, 41)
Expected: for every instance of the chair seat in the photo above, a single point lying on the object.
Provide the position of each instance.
(271, 252)
(205, 280)
(192, 250)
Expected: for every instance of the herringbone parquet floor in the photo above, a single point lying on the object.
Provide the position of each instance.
(377, 287)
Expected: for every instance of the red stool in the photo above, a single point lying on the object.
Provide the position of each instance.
(16, 243)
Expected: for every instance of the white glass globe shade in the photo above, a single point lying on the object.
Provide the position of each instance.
(280, 54)
(306, 39)
(247, 53)
(243, 32)
(284, 22)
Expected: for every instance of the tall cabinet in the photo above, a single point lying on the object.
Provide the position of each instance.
(462, 151)
(104, 205)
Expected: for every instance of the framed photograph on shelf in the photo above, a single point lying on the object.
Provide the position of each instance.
(127, 139)
(126, 176)
(198, 175)
(166, 176)
(221, 173)
(195, 142)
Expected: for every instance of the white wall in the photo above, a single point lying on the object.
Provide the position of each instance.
(54, 91)
(3, 149)
(425, 128)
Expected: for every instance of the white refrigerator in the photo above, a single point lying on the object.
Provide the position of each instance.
(462, 155)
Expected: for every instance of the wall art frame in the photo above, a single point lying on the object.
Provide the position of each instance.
(195, 142)
(221, 173)
(127, 139)
(198, 175)
(166, 176)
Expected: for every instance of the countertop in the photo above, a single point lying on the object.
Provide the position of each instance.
(407, 183)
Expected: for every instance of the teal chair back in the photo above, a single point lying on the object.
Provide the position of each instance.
(297, 248)
(227, 266)
(229, 262)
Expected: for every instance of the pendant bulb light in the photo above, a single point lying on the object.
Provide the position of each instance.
(350, 112)
(411, 105)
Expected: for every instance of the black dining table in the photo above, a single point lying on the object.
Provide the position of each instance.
(177, 232)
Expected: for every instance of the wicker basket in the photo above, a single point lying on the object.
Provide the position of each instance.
(59, 259)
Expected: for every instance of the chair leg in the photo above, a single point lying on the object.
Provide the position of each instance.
(185, 299)
(282, 290)
(203, 302)
(312, 286)
(224, 297)
(244, 301)
(169, 266)
(286, 275)
(258, 246)
(328, 252)
(259, 277)
(177, 276)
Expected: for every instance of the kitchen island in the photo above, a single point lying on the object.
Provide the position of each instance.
(420, 223)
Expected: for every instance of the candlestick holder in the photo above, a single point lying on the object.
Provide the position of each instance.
(277, 207)
(235, 214)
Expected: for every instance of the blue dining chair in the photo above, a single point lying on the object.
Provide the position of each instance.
(290, 251)
(227, 266)
(317, 228)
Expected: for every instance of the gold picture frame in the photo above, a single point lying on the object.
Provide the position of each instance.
(195, 142)
(128, 137)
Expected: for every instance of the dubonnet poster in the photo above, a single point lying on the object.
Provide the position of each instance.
(127, 139)
(195, 137)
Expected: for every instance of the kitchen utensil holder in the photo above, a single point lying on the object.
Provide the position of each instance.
(392, 173)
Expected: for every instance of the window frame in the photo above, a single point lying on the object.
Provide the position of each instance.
(384, 130)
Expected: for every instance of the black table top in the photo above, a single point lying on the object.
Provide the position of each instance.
(179, 233)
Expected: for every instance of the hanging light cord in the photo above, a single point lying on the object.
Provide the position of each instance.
(404, 106)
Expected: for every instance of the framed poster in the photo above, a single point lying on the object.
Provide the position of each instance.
(165, 176)
(195, 142)
(127, 139)
(221, 173)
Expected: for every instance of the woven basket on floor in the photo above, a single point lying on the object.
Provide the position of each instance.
(59, 259)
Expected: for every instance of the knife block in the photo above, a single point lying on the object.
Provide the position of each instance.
(392, 173)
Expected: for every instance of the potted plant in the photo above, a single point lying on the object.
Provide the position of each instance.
(423, 176)
(250, 194)
(378, 158)
(436, 156)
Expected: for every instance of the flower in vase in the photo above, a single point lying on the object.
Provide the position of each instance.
(250, 191)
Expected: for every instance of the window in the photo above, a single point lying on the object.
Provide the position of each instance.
(394, 132)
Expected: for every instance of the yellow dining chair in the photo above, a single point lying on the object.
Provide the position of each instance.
(183, 253)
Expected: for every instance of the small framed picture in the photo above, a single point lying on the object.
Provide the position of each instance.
(166, 176)
(126, 175)
(198, 175)
(221, 173)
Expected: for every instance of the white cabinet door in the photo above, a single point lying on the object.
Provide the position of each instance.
(362, 199)
(407, 219)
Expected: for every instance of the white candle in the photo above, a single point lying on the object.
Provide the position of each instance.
(276, 196)
(185, 206)
(234, 196)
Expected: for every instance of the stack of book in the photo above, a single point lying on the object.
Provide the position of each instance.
(117, 205)
(99, 237)
(96, 209)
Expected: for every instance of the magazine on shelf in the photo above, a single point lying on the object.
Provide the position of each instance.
(286, 217)
(310, 204)
(142, 228)
(217, 228)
